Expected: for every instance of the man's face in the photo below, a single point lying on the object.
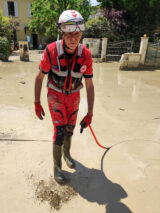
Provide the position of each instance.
(72, 39)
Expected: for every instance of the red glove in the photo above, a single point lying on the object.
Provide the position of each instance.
(39, 110)
(86, 122)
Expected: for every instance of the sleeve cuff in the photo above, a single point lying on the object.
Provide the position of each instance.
(44, 72)
(88, 76)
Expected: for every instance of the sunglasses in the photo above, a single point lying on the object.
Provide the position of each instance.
(72, 26)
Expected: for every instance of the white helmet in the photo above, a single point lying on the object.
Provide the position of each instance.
(71, 21)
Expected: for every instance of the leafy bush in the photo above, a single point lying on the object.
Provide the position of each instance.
(6, 30)
(116, 19)
(99, 28)
(6, 27)
(96, 28)
(4, 48)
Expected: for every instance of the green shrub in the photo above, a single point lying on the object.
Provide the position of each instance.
(6, 26)
(4, 48)
(99, 28)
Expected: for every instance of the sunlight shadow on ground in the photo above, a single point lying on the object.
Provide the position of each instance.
(94, 186)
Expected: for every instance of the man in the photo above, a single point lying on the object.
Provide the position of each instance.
(66, 62)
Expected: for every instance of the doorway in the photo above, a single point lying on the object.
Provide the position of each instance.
(35, 41)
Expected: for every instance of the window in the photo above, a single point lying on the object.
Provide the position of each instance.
(11, 9)
(29, 10)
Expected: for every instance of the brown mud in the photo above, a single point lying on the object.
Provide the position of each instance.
(55, 195)
(126, 118)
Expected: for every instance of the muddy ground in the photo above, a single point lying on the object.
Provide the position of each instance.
(122, 179)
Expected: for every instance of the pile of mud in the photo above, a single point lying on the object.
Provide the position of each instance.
(52, 193)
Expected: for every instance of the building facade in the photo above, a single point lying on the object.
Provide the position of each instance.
(20, 12)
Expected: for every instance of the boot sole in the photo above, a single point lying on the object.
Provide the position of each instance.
(61, 182)
(71, 167)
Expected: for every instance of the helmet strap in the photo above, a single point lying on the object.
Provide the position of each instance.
(65, 46)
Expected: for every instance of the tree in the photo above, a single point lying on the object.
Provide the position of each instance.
(116, 19)
(99, 28)
(96, 28)
(45, 14)
(141, 16)
(118, 5)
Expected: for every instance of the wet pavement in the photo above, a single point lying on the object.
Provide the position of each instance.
(126, 119)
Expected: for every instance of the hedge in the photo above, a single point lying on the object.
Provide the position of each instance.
(4, 48)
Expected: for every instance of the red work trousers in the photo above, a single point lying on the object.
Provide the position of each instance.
(63, 109)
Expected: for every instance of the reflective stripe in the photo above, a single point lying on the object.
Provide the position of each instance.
(55, 67)
(60, 73)
(62, 91)
(59, 48)
(80, 49)
(76, 74)
(54, 87)
(61, 51)
(76, 90)
(58, 63)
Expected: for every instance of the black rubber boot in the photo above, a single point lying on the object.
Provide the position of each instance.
(66, 152)
(58, 174)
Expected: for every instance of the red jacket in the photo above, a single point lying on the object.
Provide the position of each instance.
(64, 74)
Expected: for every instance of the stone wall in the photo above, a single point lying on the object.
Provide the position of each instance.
(135, 60)
(93, 44)
(127, 61)
(98, 50)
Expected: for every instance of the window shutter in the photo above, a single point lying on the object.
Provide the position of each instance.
(16, 8)
(29, 10)
(5, 8)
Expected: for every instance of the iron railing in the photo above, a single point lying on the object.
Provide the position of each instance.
(153, 54)
(116, 49)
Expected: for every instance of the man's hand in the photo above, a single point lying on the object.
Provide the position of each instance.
(85, 122)
(39, 110)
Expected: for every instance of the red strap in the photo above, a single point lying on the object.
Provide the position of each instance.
(70, 83)
(73, 65)
(65, 83)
